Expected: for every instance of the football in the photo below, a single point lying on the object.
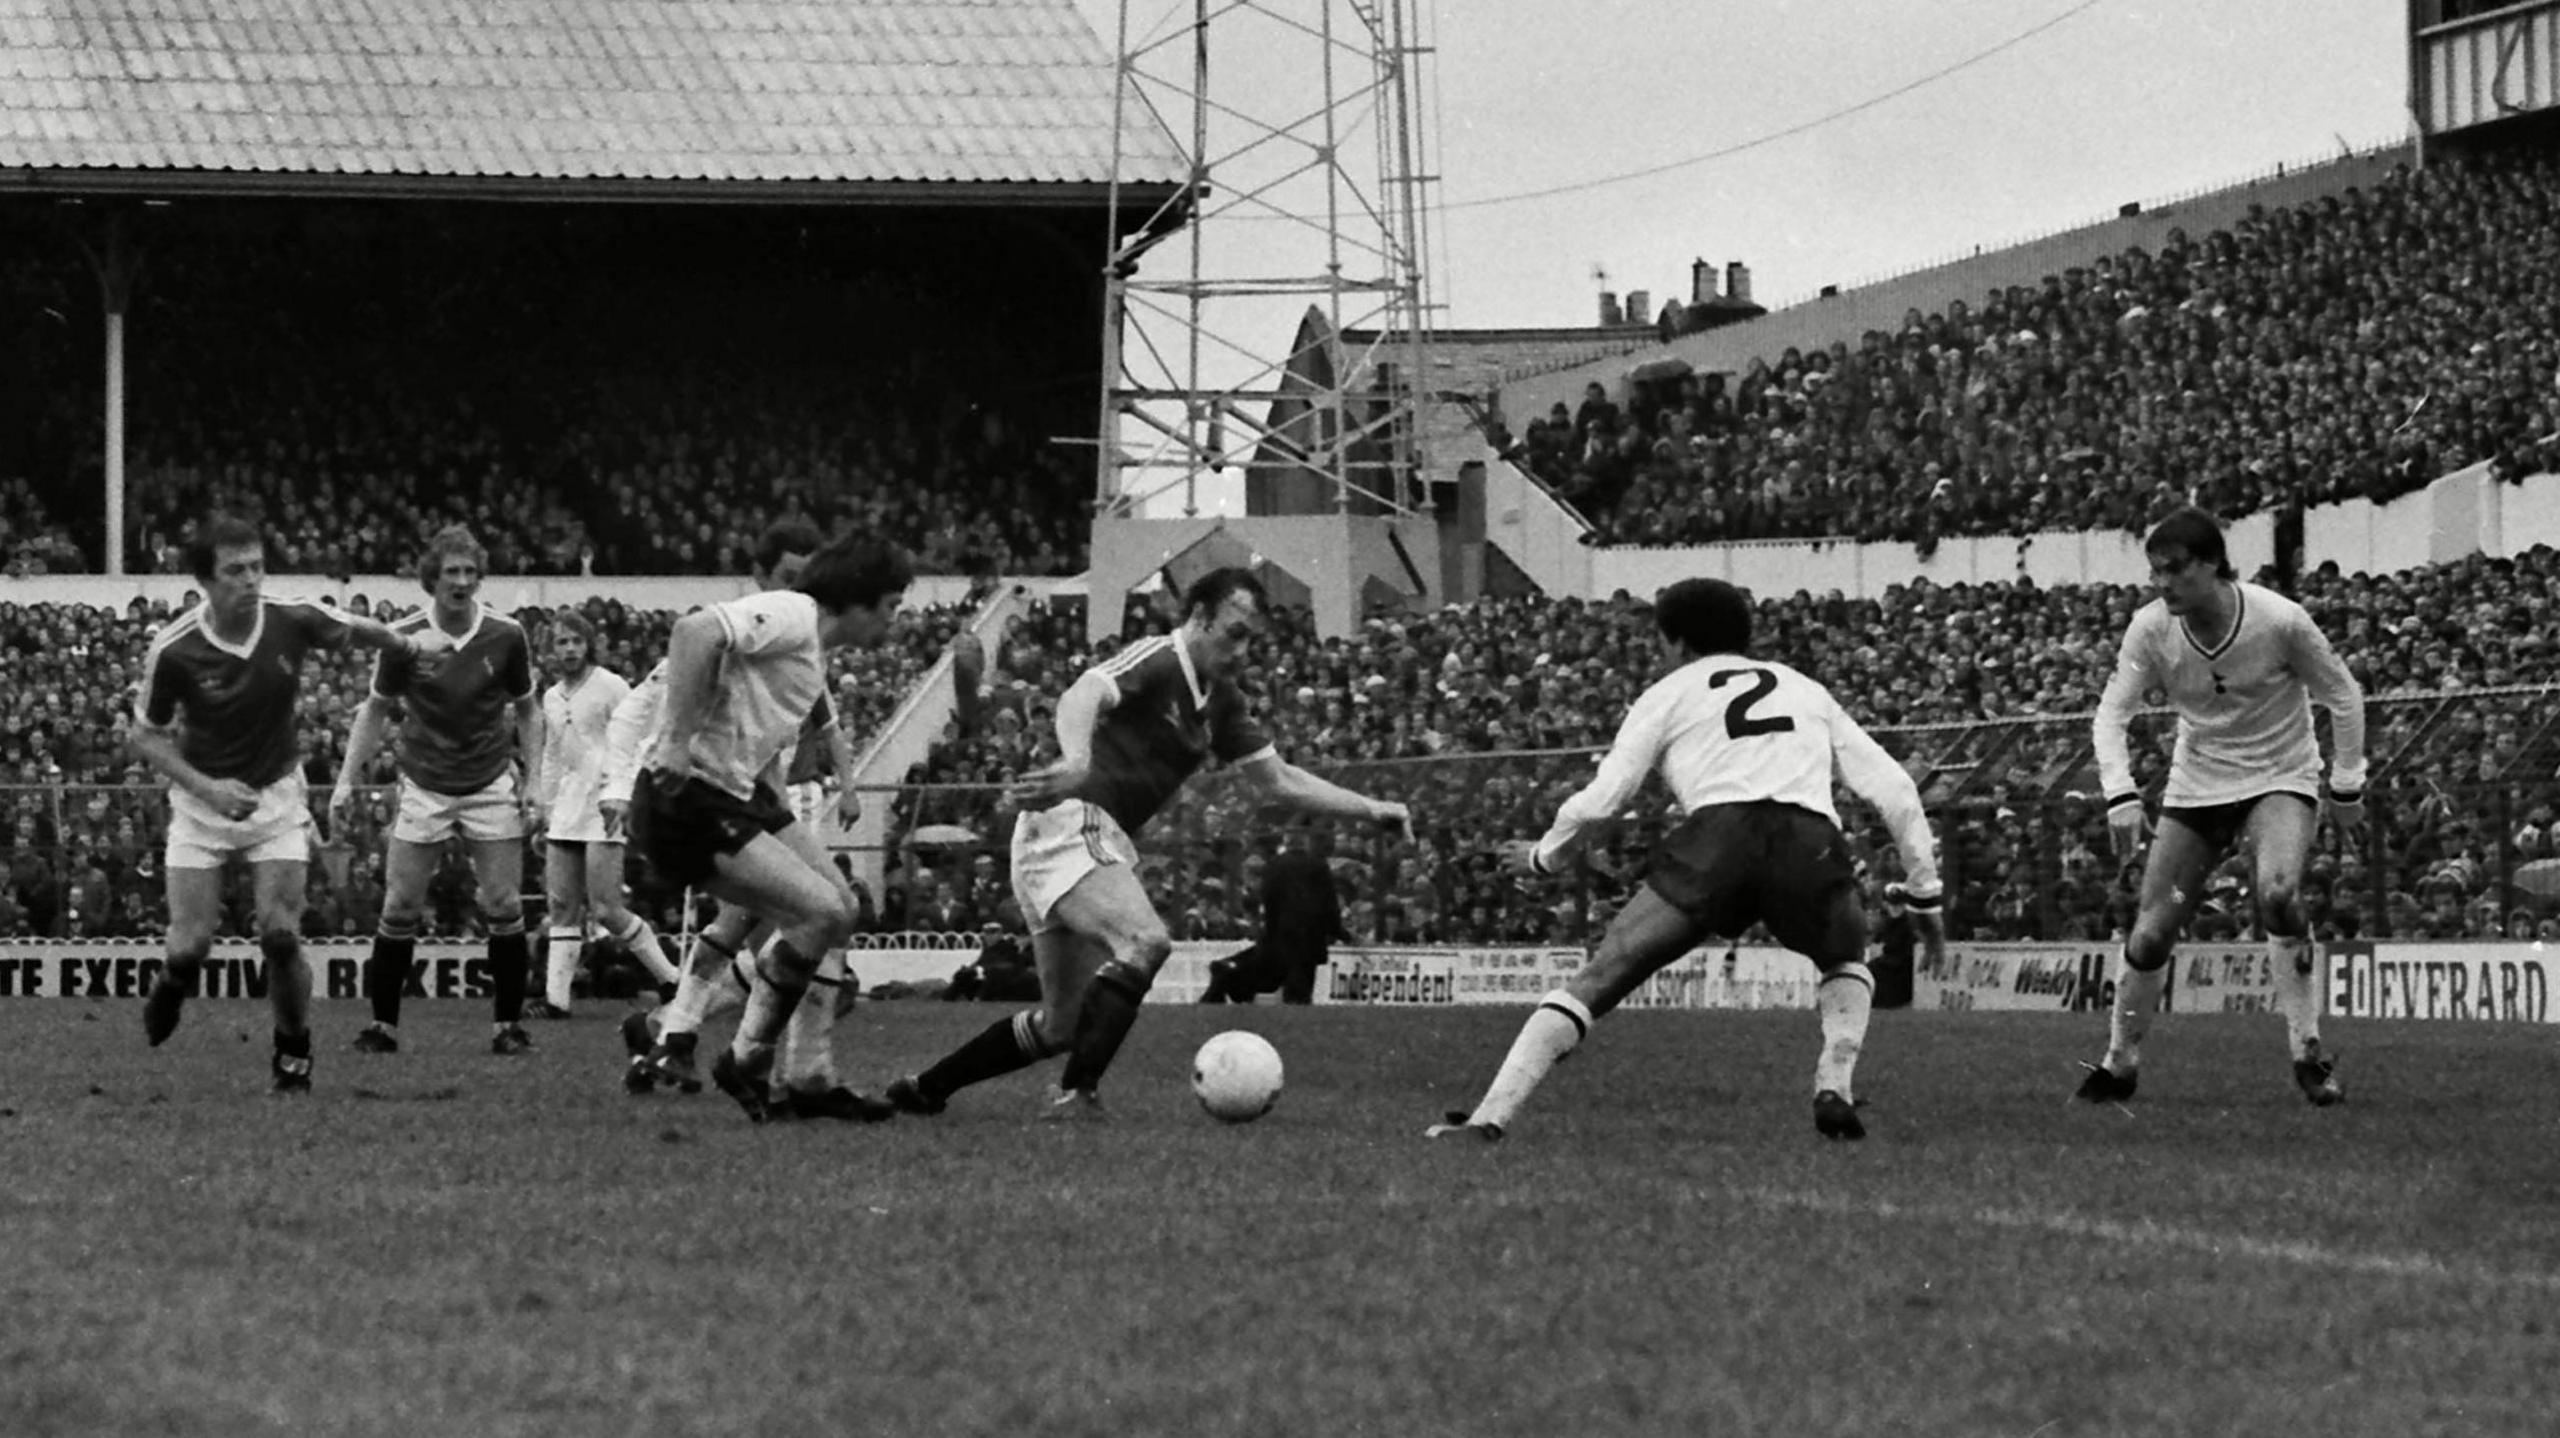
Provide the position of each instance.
(1236, 1076)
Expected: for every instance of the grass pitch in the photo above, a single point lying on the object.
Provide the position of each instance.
(447, 1242)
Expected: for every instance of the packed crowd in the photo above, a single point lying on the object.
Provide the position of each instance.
(2357, 346)
(1483, 717)
(591, 396)
(82, 818)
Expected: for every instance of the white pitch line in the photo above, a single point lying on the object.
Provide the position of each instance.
(2154, 1234)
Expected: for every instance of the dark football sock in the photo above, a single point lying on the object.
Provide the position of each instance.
(1110, 1007)
(386, 973)
(1001, 1048)
(510, 962)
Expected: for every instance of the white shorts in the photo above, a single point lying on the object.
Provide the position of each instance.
(1056, 847)
(278, 830)
(579, 824)
(427, 817)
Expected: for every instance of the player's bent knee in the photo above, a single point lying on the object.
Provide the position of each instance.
(279, 942)
(188, 952)
(1146, 953)
(2277, 900)
(1127, 977)
(2146, 952)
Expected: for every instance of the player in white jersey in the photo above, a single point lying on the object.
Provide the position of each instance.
(1748, 748)
(742, 678)
(2242, 666)
(582, 868)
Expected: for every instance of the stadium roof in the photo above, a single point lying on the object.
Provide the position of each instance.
(800, 98)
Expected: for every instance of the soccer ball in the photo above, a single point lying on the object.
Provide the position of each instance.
(1236, 1076)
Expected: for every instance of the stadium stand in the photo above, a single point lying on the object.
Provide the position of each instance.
(83, 818)
(1482, 718)
(2358, 346)
(353, 383)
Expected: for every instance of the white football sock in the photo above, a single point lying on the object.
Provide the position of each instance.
(560, 962)
(808, 1058)
(2295, 968)
(770, 1005)
(706, 976)
(1845, 996)
(642, 941)
(1551, 1032)
(2137, 999)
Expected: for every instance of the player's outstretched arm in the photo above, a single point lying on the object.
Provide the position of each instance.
(1285, 783)
(1632, 755)
(1877, 777)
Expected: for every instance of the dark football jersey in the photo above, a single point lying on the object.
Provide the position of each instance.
(457, 738)
(1164, 728)
(237, 700)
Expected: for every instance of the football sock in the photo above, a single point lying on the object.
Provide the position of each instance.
(1553, 1031)
(706, 968)
(642, 940)
(386, 969)
(2137, 999)
(808, 1059)
(288, 982)
(2295, 968)
(1110, 1008)
(1000, 1048)
(728, 991)
(560, 962)
(780, 984)
(1845, 996)
(510, 962)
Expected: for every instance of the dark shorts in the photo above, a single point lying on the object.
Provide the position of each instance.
(1729, 866)
(682, 829)
(2222, 824)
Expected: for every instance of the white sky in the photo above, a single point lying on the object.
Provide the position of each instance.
(2109, 101)
(2123, 100)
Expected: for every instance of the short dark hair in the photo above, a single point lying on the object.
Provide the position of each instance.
(217, 532)
(1708, 615)
(2196, 532)
(454, 541)
(786, 536)
(1218, 586)
(855, 572)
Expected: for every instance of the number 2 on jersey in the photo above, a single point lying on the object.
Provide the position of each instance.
(1738, 722)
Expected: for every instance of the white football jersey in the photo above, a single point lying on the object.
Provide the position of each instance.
(575, 717)
(1729, 729)
(2244, 705)
(772, 672)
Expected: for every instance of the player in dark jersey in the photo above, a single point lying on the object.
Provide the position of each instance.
(472, 730)
(1130, 731)
(216, 716)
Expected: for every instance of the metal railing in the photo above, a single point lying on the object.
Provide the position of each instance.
(2463, 841)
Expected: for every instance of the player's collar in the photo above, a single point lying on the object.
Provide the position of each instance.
(479, 613)
(246, 647)
(2239, 615)
(1190, 674)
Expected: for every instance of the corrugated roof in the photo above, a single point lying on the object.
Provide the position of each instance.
(862, 91)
